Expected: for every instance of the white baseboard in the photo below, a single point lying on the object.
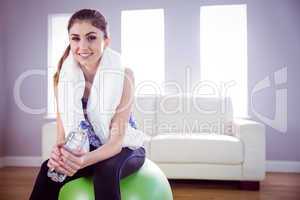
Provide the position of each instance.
(22, 161)
(282, 166)
(31, 161)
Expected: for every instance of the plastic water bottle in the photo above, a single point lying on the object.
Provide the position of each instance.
(75, 141)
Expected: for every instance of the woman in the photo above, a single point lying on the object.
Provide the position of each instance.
(108, 162)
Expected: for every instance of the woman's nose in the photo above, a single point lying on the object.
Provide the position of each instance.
(83, 44)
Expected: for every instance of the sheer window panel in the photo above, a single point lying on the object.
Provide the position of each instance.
(57, 43)
(143, 48)
(223, 51)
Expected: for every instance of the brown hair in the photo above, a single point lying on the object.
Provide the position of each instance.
(92, 16)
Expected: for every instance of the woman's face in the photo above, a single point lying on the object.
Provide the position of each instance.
(87, 43)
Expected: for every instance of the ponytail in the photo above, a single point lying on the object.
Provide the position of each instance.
(60, 63)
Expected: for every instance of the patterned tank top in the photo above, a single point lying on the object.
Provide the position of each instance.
(93, 138)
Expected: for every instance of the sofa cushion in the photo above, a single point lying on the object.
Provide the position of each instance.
(197, 148)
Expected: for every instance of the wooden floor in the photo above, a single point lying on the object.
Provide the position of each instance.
(16, 184)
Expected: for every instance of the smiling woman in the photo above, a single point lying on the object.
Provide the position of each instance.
(88, 36)
(87, 45)
(112, 158)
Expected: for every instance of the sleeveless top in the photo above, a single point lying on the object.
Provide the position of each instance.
(94, 140)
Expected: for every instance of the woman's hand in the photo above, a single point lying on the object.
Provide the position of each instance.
(55, 157)
(72, 162)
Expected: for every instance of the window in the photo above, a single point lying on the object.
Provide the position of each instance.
(143, 46)
(223, 51)
(57, 43)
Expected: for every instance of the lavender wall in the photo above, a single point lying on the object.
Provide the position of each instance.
(2, 87)
(273, 43)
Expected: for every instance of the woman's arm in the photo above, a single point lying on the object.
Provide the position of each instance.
(118, 124)
(60, 138)
(54, 161)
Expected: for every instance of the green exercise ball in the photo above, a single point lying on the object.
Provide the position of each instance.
(148, 183)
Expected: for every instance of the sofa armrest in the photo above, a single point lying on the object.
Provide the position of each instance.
(252, 134)
(49, 132)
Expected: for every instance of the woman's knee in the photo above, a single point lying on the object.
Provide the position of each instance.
(114, 165)
(132, 165)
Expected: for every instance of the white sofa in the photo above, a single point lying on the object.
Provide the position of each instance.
(195, 138)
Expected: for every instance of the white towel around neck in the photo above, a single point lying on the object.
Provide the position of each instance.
(104, 97)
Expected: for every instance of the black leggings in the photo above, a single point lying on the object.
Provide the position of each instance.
(106, 176)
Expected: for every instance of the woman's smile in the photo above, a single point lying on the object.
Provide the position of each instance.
(85, 55)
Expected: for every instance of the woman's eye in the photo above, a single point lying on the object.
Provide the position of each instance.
(75, 38)
(91, 38)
